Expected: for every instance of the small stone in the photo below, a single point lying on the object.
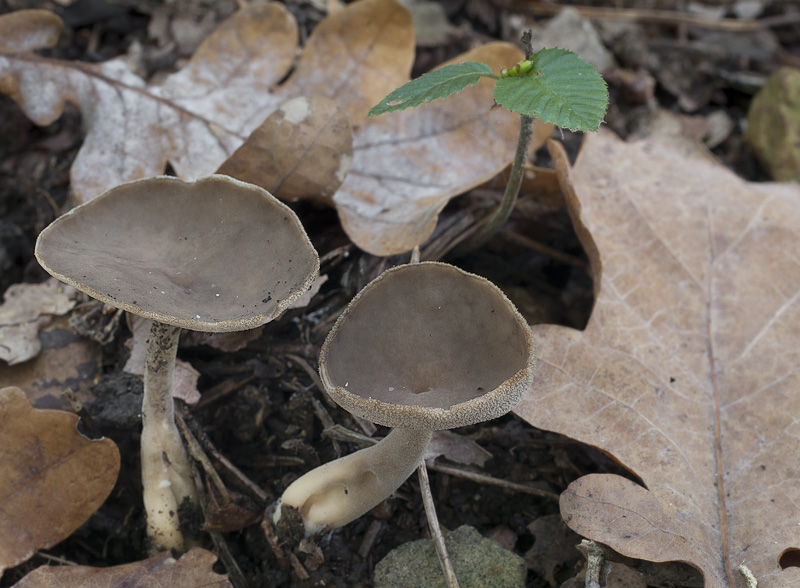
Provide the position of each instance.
(773, 125)
(478, 563)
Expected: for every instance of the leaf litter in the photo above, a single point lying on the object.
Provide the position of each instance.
(225, 112)
(635, 174)
(201, 114)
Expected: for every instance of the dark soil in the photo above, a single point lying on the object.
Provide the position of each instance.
(260, 407)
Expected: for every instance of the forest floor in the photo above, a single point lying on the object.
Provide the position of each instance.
(260, 405)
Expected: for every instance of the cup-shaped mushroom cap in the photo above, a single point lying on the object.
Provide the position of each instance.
(212, 255)
(428, 346)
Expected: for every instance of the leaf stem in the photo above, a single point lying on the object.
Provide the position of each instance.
(503, 211)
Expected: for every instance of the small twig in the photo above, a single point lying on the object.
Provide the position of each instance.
(340, 433)
(327, 421)
(238, 477)
(564, 258)
(312, 373)
(237, 577)
(370, 537)
(56, 558)
(220, 391)
(489, 480)
(433, 525)
(272, 539)
(197, 453)
(749, 578)
(298, 568)
(366, 426)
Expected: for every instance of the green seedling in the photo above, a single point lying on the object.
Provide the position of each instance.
(554, 85)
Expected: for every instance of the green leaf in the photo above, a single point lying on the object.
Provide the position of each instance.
(560, 88)
(439, 83)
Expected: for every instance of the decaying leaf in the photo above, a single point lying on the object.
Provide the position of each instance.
(456, 448)
(201, 114)
(355, 57)
(51, 477)
(66, 360)
(407, 165)
(28, 30)
(192, 570)
(25, 311)
(687, 372)
(303, 150)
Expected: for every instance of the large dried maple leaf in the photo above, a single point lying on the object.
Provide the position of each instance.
(687, 372)
(201, 114)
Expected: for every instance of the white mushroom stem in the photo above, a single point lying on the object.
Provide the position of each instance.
(340, 491)
(166, 474)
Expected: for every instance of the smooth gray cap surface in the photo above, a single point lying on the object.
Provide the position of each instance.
(213, 255)
(428, 346)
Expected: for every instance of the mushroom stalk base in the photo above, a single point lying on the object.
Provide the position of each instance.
(166, 474)
(339, 492)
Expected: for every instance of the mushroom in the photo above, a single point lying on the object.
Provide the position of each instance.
(423, 347)
(213, 255)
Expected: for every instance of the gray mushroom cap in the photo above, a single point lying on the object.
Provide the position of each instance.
(213, 255)
(428, 346)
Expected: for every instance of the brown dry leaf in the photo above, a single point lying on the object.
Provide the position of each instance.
(29, 30)
(407, 165)
(302, 150)
(66, 360)
(355, 57)
(51, 477)
(456, 448)
(687, 372)
(25, 311)
(201, 114)
(192, 570)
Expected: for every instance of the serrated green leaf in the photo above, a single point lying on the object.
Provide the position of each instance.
(560, 88)
(434, 85)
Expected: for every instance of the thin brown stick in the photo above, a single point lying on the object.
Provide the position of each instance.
(238, 477)
(196, 451)
(221, 390)
(564, 258)
(312, 373)
(489, 480)
(433, 525)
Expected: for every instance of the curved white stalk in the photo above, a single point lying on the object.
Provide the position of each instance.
(166, 474)
(340, 491)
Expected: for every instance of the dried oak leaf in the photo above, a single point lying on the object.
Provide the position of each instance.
(687, 372)
(302, 151)
(201, 114)
(407, 165)
(28, 30)
(192, 570)
(51, 477)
